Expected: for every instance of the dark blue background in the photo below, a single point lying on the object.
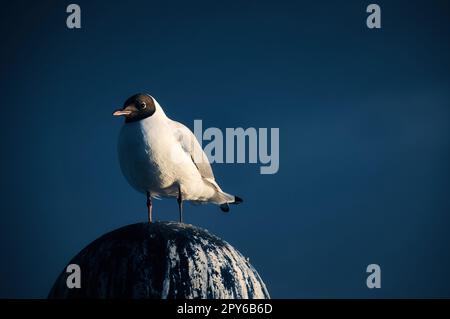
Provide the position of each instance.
(363, 115)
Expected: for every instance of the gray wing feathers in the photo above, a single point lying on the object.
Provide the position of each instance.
(191, 146)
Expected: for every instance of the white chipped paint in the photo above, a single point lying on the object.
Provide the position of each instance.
(205, 265)
(173, 260)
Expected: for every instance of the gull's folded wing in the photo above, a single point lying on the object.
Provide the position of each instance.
(192, 147)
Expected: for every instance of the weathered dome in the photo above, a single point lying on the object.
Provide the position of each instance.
(161, 260)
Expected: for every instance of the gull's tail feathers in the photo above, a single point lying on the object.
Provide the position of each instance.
(234, 200)
(221, 198)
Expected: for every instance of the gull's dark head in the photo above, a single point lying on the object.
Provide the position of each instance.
(136, 108)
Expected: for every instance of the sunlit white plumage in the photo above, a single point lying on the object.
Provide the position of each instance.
(162, 157)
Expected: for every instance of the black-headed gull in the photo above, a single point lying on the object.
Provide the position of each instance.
(162, 158)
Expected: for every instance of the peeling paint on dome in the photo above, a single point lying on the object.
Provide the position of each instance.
(162, 260)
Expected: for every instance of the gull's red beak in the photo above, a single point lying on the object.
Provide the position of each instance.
(121, 113)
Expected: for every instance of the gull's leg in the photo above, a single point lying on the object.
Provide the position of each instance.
(180, 204)
(149, 207)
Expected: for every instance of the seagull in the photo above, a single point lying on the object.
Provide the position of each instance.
(160, 157)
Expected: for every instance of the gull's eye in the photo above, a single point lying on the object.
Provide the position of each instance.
(142, 105)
